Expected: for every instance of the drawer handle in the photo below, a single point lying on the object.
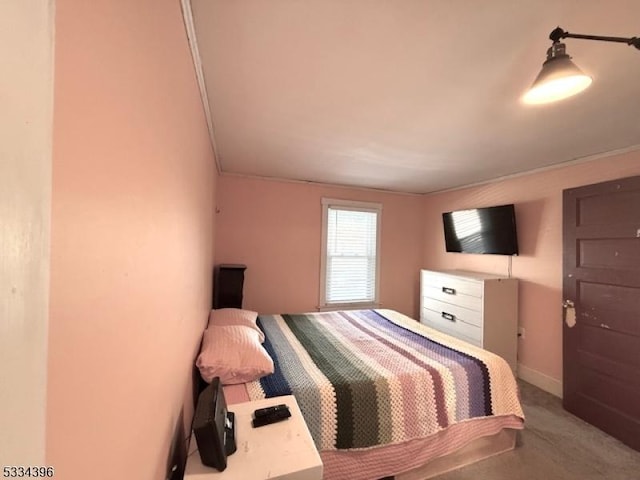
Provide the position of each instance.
(449, 316)
(449, 291)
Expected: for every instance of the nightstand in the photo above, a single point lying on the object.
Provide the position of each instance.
(280, 451)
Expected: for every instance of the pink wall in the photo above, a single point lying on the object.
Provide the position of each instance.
(132, 235)
(274, 228)
(538, 200)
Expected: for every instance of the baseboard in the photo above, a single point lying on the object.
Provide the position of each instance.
(540, 380)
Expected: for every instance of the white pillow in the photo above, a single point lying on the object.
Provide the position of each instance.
(233, 353)
(235, 316)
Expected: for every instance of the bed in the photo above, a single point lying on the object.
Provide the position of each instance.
(385, 396)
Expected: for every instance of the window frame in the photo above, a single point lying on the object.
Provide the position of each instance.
(358, 206)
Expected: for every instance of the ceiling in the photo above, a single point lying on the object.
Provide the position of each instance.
(410, 95)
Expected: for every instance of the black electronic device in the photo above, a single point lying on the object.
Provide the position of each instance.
(261, 412)
(271, 416)
(489, 230)
(214, 427)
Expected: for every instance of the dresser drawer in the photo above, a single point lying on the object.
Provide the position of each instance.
(449, 283)
(452, 295)
(471, 316)
(464, 331)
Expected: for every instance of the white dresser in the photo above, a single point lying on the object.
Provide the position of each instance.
(478, 308)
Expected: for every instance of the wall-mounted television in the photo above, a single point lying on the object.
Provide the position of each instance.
(490, 230)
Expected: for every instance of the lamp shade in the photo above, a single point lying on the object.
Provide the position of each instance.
(558, 79)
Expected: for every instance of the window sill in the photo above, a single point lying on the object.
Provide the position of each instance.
(347, 306)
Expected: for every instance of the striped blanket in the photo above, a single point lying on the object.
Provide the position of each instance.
(374, 377)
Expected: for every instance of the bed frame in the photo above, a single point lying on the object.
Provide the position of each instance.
(479, 449)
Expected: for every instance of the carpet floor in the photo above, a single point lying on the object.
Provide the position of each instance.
(555, 445)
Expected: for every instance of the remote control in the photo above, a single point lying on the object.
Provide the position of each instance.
(269, 418)
(261, 412)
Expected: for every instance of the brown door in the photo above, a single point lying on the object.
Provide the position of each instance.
(601, 279)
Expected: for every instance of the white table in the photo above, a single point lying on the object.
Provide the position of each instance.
(280, 451)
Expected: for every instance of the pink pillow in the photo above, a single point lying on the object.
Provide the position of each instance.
(233, 353)
(235, 316)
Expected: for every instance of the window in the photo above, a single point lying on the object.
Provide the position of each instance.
(350, 253)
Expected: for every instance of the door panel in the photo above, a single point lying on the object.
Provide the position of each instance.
(608, 367)
(614, 207)
(620, 305)
(613, 253)
(611, 345)
(614, 393)
(623, 427)
(601, 276)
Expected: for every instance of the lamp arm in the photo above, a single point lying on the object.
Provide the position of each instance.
(558, 33)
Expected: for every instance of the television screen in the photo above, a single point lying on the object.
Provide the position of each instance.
(490, 230)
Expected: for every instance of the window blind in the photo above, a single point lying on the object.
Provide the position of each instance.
(351, 257)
